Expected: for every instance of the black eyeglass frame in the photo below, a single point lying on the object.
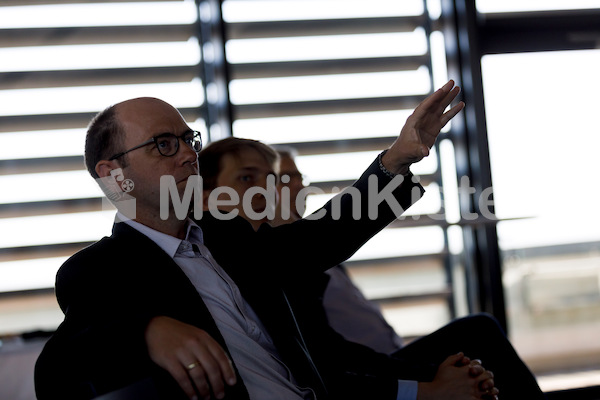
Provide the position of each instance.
(195, 135)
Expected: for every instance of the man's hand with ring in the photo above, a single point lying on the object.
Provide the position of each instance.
(194, 359)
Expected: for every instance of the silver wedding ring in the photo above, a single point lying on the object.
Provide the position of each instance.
(192, 366)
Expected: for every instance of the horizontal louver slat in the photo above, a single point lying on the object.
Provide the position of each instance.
(326, 67)
(325, 107)
(94, 35)
(96, 77)
(271, 29)
(18, 123)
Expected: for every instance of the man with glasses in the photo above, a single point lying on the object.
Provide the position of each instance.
(150, 301)
(168, 143)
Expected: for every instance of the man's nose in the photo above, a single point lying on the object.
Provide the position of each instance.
(187, 153)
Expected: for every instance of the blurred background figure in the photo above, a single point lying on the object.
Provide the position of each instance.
(348, 311)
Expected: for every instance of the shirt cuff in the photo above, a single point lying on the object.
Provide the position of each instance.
(407, 390)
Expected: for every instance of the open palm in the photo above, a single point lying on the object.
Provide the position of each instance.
(422, 129)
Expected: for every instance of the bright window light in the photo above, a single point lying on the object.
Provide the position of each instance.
(538, 169)
(546, 230)
(334, 167)
(98, 56)
(56, 142)
(438, 59)
(383, 84)
(56, 229)
(349, 166)
(108, 14)
(434, 7)
(402, 242)
(327, 47)
(316, 128)
(402, 278)
(24, 188)
(276, 10)
(39, 273)
(430, 203)
(42, 144)
(424, 317)
(492, 6)
(456, 243)
(450, 181)
(525, 149)
(95, 98)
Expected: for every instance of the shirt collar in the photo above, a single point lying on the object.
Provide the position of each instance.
(168, 243)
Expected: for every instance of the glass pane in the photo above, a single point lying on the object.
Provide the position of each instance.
(329, 87)
(541, 114)
(491, 6)
(125, 14)
(315, 128)
(45, 186)
(290, 10)
(94, 98)
(331, 47)
(97, 56)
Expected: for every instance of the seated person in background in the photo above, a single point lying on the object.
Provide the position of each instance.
(242, 165)
(236, 168)
(152, 301)
(348, 311)
(359, 320)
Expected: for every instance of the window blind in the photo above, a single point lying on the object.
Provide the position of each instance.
(61, 63)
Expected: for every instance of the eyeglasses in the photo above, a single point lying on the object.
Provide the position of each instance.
(168, 143)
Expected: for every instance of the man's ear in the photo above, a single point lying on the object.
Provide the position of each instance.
(104, 168)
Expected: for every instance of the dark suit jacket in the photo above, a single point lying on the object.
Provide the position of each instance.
(110, 290)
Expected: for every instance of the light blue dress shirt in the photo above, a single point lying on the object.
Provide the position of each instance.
(265, 376)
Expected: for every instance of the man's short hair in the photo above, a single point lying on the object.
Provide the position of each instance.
(209, 159)
(285, 151)
(104, 138)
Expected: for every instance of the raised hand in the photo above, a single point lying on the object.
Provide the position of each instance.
(422, 129)
(194, 359)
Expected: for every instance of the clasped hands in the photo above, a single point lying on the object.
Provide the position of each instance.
(202, 368)
(460, 378)
(484, 378)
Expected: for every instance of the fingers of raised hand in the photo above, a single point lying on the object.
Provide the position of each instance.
(445, 101)
(438, 100)
(451, 113)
